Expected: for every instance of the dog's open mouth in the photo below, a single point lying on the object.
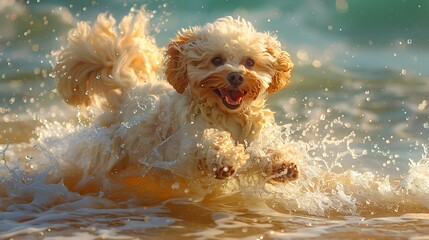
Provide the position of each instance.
(231, 98)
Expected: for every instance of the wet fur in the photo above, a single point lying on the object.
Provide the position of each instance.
(145, 118)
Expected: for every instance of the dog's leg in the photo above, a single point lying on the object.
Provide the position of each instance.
(195, 149)
(219, 154)
(282, 169)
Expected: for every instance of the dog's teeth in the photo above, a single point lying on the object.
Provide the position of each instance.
(232, 103)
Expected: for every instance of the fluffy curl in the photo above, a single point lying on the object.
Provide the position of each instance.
(103, 61)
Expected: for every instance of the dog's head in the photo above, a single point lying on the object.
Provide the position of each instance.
(228, 63)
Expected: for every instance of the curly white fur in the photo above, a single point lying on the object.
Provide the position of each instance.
(198, 117)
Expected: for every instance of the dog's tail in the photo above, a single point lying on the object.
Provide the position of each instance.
(100, 63)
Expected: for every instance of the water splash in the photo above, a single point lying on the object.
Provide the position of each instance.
(324, 188)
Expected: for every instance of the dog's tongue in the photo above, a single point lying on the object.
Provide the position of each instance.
(232, 95)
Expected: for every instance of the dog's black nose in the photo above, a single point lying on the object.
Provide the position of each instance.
(236, 79)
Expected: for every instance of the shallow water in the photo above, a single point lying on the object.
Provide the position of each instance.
(356, 117)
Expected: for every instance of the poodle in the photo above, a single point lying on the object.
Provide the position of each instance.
(198, 103)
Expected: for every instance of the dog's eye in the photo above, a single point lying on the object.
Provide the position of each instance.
(249, 62)
(217, 61)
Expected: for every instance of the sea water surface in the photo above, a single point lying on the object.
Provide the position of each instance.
(355, 117)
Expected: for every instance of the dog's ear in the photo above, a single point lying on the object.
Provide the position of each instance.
(176, 63)
(282, 65)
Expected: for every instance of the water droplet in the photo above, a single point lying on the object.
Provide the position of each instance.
(302, 55)
(35, 47)
(409, 41)
(423, 105)
(175, 186)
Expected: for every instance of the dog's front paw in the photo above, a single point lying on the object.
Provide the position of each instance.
(222, 172)
(220, 155)
(283, 172)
